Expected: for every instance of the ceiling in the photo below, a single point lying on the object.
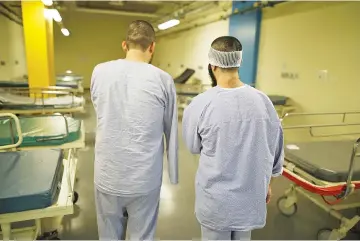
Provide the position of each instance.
(154, 11)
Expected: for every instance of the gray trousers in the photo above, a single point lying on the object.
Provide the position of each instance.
(209, 234)
(112, 212)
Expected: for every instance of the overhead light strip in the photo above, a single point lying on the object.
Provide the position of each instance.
(169, 24)
(53, 14)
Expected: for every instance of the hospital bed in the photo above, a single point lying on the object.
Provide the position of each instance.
(63, 80)
(281, 104)
(40, 100)
(327, 172)
(36, 180)
(34, 132)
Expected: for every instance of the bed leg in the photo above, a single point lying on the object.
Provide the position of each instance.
(287, 203)
(345, 227)
(291, 196)
(38, 230)
(6, 231)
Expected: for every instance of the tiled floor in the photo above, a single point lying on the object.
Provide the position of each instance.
(176, 218)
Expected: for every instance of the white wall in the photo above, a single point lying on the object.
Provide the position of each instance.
(188, 49)
(304, 38)
(12, 50)
(94, 38)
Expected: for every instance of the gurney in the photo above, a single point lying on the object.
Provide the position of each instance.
(63, 80)
(40, 100)
(326, 172)
(281, 104)
(35, 185)
(36, 132)
(40, 142)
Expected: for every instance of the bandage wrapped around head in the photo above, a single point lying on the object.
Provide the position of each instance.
(225, 59)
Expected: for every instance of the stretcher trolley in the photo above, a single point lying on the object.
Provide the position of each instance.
(38, 159)
(45, 100)
(69, 80)
(281, 104)
(326, 172)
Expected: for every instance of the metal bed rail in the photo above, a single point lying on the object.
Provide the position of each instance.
(18, 130)
(20, 134)
(42, 94)
(310, 183)
(311, 127)
(349, 186)
(191, 88)
(343, 114)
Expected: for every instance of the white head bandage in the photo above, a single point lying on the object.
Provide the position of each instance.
(225, 59)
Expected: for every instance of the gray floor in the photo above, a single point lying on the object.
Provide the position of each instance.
(176, 218)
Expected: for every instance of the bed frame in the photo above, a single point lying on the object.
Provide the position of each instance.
(80, 143)
(63, 206)
(345, 194)
(67, 196)
(41, 94)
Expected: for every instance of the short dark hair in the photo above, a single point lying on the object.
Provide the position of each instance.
(140, 35)
(226, 44)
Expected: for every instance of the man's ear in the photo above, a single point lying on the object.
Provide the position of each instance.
(124, 46)
(152, 47)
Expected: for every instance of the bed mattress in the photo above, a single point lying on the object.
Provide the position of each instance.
(326, 160)
(29, 179)
(23, 84)
(184, 77)
(278, 99)
(11, 101)
(40, 130)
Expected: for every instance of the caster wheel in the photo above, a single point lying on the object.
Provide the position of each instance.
(286, 211)
(75, 197)
(324, 234)
(53, 235)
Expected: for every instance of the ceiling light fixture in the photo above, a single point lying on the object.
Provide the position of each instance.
(52, 14)
(65, 31)
(56, 15)
(169, 24)
(47, 2)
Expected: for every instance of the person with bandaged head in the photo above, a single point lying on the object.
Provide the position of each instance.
(237, 133)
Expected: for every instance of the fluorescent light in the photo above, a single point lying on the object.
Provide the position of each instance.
(52, 14)
(169, 24)
(47, 2)
(48, 13)
(56, 16)
(65, 31)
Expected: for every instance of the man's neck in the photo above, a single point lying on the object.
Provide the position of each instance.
(229, 81)
(136, 56)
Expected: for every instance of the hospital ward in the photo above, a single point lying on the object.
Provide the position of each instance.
(179, 120)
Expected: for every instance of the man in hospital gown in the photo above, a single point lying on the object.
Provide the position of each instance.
(135, 105)
(238, 135)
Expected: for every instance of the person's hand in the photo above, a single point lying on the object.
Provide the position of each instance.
(268, 196)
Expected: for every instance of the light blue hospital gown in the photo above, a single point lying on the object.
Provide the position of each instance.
(239, 137)
(135, 105)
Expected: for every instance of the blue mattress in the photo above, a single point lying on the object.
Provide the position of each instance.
(325, 160)
(29, 179)
(23, 84)
(184, 77)
(40, 130)
(278, 99)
